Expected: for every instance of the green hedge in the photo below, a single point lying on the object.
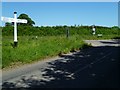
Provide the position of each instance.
(58, 30)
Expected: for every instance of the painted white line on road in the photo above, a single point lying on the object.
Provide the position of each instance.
(101, 58)
(93, 61)
(79, 70)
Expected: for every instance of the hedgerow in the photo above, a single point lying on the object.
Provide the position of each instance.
(58, 30)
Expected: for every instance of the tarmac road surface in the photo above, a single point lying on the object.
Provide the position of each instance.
(94, 67)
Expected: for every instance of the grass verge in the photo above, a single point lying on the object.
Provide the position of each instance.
(31, 49)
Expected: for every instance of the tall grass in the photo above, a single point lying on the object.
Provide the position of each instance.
(31, 48)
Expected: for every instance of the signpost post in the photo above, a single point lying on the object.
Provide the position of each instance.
(67, 32)
(15, 20)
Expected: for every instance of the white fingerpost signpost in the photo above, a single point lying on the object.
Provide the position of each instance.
(15, 20)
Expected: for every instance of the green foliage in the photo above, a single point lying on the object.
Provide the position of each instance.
(50, 42)
(59, 30)
(7, 31)
(31, 49)
(8, 24)
(30, 22)
(115, 27)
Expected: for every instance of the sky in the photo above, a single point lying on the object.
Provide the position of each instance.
(65, 13)
(59, 0)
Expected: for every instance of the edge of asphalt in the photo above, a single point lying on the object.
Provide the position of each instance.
(26, 68)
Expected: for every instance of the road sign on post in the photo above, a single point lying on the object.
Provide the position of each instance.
(15, 20)
(93, 30)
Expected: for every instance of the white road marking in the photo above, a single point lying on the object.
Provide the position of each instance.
(79, 70)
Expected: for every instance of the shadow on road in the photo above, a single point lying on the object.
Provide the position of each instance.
(95, 67)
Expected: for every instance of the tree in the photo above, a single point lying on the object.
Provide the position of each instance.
(115, 27)
(8, 24)
(30, 22)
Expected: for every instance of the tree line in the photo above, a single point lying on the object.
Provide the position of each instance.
(58, 30)
(30, 30)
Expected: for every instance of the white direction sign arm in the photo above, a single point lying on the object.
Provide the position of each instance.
(21, 21)
(6, 19)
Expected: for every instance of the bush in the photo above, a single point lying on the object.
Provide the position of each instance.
(58, 30)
